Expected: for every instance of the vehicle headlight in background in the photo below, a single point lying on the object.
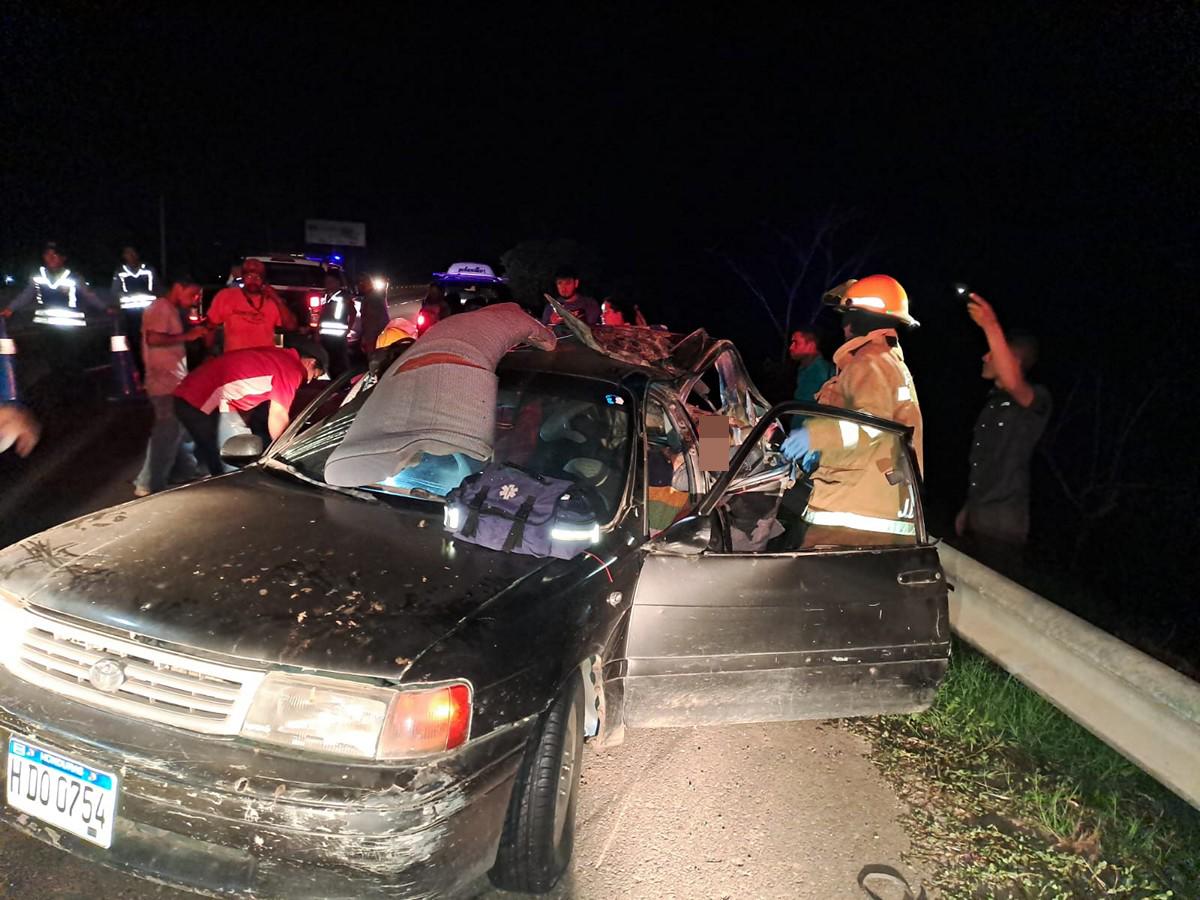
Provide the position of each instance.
(329, 715)
(12, 625)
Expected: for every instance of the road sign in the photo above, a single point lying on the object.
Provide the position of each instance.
(339, 234)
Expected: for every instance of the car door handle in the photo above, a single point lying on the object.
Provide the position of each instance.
(918, 577)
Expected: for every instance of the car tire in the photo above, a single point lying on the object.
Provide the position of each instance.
(539, 830)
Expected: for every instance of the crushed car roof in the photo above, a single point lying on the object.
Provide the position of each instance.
(622, 351)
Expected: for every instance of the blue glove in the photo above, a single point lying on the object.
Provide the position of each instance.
(795, 445)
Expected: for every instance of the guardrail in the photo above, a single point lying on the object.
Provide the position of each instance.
(1141, 708)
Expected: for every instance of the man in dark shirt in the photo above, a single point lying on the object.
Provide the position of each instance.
(373, 315)
(996, 514)
(566, 283)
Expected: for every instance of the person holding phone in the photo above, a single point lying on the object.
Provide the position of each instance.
(995, 515)
(250, 312)
(164, 349)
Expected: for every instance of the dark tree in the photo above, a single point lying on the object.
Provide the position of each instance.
(788, 268)
(530, 267)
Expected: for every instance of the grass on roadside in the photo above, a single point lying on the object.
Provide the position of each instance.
(1012, 799)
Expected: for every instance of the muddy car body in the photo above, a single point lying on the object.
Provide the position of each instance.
(139, 640)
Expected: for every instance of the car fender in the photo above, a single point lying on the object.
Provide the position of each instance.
(519, 649)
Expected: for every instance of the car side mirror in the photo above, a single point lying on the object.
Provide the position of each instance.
(690, 536)
(242, 449)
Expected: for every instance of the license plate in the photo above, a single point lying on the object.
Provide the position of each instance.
(61, 791)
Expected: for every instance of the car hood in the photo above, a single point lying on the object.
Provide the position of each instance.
(262, 567)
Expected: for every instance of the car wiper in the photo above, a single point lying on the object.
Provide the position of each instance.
(415, 492)
(274, 463)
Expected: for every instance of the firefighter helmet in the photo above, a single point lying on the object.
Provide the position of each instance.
(880, 295)
(398, 329)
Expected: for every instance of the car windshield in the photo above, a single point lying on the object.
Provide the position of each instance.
(551, 425)
(295, 275)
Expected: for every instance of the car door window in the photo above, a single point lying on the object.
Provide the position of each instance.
(723, 387)
(855, 487)
(671, 484)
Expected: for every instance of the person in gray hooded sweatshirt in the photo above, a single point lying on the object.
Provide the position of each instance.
(439, 398)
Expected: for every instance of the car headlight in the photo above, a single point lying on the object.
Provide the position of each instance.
(329, 715)
(12, 625)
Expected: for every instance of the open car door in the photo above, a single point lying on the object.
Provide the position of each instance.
(794, 591)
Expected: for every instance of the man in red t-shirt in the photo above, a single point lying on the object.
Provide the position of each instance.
(243, 384)
(250, 313)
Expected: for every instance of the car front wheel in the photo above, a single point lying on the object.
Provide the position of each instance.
(539, 831)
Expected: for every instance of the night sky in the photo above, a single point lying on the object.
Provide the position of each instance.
(1047, 154)
(463, 134)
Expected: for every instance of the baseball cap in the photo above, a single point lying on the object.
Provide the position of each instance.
(313, 351)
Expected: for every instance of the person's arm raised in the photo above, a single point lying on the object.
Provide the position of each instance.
(1008, 367)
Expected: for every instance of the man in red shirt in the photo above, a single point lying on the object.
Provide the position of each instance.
(242, 385)
(250, 313)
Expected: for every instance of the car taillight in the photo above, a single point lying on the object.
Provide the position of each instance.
(314, 301)
(426, 721)
(420, 320)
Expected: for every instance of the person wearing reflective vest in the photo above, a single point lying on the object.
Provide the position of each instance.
(60, 295)
(135, 284)
(851, 487)
(338, 315)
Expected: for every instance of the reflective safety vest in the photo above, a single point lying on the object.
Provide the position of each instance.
(57, 300)
(136, 289)
(335, 315)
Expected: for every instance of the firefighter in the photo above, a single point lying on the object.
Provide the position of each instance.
(58, 293)
(338, 315)
(135, 284)
(854, 501)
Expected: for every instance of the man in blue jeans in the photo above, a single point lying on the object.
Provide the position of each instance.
(164, 350)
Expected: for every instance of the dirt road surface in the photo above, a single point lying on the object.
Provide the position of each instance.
(758, 811)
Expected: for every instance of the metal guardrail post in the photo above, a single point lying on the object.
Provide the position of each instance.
(1141, 708)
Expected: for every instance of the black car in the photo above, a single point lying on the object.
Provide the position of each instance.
(264, 685)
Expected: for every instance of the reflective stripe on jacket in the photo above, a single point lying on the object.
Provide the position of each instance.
(856, 460)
